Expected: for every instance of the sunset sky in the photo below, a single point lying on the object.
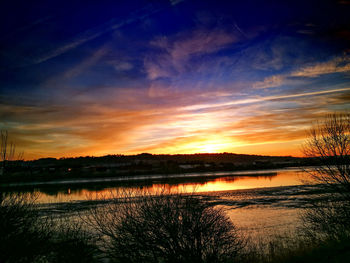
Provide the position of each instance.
(178, 76)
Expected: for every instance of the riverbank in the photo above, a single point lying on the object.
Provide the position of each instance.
(261, 213)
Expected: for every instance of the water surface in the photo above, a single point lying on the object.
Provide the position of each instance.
(66, 191)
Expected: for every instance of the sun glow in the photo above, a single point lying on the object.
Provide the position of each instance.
(214, 145)
(210, 148)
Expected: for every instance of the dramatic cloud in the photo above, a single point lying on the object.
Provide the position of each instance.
(170, 76)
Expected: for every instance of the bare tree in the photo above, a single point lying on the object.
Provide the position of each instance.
(165, 228)
(329, 143)
(7, 152)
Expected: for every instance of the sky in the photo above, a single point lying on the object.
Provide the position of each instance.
(82, 78)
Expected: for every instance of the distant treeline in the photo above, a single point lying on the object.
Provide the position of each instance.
(179, 158)
(47, 169)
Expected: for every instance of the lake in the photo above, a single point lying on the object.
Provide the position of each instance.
(85, 189)
(265, 203)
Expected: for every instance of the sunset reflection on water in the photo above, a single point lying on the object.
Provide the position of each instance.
(195, 184)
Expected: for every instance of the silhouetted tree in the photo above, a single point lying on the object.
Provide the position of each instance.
(7, 152)
(165, 228)
(329, 143)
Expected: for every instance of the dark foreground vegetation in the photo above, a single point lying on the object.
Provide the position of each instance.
(139, 227)
(142, 228)
(28, 236)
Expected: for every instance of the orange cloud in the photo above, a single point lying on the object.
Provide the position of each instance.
(181, 122)
(337, 65)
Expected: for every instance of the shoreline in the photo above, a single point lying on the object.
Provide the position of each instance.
(145, 177)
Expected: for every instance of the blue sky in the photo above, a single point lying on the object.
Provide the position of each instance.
(104, 77)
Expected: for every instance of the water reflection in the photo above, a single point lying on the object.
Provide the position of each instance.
(198, 183)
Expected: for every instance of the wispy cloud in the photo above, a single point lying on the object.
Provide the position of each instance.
(172, 54)
(86, 63)
(336, 65)
(340, 64)
(253, 99)
(100, 30)
(269, 82)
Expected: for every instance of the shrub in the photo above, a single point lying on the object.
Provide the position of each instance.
(27, 236)
(166, 228)
(70, 242)
(22, 236)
